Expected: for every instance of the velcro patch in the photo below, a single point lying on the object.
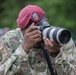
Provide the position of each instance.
(1, 46)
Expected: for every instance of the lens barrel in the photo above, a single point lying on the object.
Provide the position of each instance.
(59, 35)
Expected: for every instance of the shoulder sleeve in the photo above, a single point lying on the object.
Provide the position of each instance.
(8, 59)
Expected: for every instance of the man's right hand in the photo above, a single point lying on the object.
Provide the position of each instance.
(31, 37)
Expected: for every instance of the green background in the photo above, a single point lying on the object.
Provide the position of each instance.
(60, 13)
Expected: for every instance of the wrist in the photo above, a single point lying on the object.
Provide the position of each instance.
(26, 49)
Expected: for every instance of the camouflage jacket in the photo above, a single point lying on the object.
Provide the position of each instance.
(15, 61)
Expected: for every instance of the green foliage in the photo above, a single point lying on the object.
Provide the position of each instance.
(59, 12)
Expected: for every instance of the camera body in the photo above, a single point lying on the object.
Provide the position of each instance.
(57, 34)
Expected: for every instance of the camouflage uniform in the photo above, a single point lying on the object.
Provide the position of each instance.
(15, 61)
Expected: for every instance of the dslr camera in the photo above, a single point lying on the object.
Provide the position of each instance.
(57, 34)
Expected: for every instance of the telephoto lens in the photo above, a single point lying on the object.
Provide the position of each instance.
(57, 34)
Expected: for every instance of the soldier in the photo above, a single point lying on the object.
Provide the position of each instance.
(19, 54)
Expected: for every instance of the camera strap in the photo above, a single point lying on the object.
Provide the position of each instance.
(46, 56)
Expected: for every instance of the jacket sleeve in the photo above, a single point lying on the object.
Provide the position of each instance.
(65, 61)
(10, 62)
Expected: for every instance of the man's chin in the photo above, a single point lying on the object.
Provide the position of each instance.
(38, 45)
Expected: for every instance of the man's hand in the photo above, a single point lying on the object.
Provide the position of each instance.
(31, 37)
(51, 46)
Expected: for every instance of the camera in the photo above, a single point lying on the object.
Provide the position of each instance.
(57, 34)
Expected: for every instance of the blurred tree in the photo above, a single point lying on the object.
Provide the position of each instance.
(59, 12)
